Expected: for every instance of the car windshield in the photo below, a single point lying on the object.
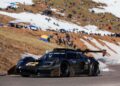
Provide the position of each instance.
(53, 56)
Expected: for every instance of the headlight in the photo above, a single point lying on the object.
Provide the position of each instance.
(31, 63)
(19, 67)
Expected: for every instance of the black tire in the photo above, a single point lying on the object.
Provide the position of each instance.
(93, 70)
(25, 75)
(66, 70)
(96, 70)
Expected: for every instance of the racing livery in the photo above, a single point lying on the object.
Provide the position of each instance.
(60, 62)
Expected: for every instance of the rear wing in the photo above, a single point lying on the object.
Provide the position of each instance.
(79, 50)
(104, 52)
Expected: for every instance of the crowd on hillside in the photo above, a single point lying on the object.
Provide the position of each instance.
(21, 25)
(98, 34)
(66, 40)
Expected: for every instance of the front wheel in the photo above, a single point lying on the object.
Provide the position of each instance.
(25, 75)
(66, 70)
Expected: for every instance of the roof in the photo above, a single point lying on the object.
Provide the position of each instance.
(62, 49)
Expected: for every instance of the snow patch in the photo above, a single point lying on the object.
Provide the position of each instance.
(5, 3)
(57, 11)
(112, 59)
(31, 55)
(44, 22)
(103, 66)
(112, 6)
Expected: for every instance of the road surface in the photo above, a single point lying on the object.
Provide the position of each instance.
(111, 78)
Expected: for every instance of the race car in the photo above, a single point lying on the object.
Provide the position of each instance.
(60, 62)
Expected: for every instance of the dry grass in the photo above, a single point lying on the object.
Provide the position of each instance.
(5, 19)
(13, 43)
(81, 13)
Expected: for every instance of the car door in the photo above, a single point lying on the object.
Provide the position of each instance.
(72, 57)
(81, 60)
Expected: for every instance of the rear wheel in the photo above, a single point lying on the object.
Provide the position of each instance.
(93, 70)
(97, 70)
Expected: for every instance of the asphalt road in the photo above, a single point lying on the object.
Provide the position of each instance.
(111, 78)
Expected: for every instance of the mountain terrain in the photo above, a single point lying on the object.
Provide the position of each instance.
(91, 24)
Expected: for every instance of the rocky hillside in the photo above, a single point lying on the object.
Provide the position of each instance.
(80, 14)
(14, 43)
(76, 11)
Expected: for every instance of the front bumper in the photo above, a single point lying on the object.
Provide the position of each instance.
(40, 71)
(49, 71)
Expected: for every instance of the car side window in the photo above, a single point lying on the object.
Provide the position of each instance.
(78, 56)
(71, 55)
(53, 56)
(81, 57)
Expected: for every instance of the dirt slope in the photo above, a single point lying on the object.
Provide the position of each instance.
(13, 43)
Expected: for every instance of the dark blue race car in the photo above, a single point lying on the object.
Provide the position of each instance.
(60, 62)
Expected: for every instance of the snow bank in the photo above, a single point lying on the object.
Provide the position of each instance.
(103, 66)
(112, 49)
(5, 3)
(45, 22)
(94, 29)
(30, 55)
(112, 6)
(57, 12)
(115, 57)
